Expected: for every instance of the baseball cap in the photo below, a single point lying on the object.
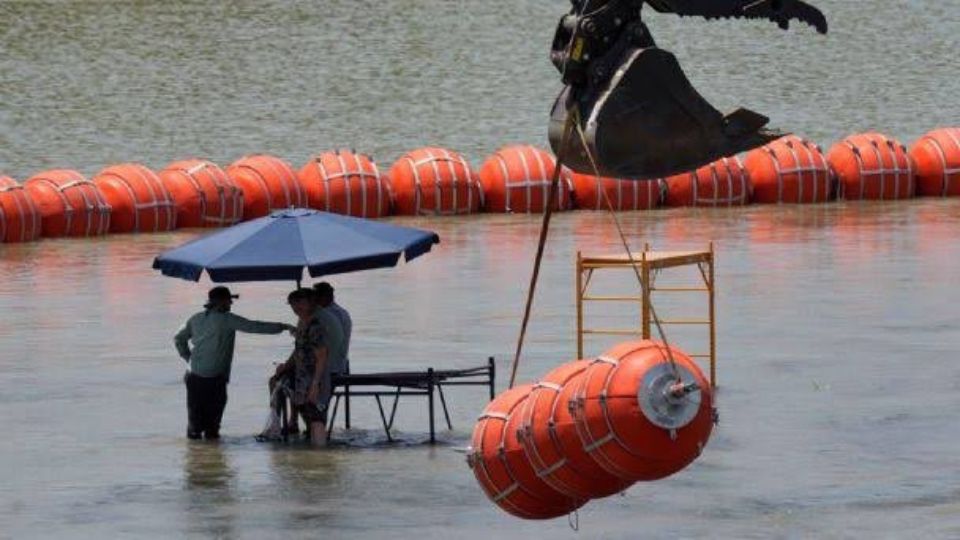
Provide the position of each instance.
(220, 293)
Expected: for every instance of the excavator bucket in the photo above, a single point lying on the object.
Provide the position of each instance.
(647, 121)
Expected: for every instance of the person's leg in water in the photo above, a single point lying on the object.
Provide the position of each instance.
(316, 427)
(292, 427)
(217, 403)
(194, 416)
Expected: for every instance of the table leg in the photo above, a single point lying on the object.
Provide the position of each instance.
(333, 417)
(433, 436)
(383, 418)
(393, 410)
(443, 403)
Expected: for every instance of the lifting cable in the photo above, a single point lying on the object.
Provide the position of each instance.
(629, 252)
(552, 193)
(573, 122)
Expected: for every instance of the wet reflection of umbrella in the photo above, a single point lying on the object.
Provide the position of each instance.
(279, 246)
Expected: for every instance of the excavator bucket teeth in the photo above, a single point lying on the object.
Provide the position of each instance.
(647, 121)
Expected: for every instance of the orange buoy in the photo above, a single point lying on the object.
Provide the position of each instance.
(345, 182)
(622, 194)
(205, 196)
(722, 183)
(548, 436)
(937, 159)
(639, 416)
(268, 183)
(789, 170)
(69, 204)
(137, 198)
(872, 166)
(500, 466)
(19, 217)
(434, 181)
(517, 179)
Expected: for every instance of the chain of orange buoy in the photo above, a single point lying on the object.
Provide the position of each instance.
(130, 197)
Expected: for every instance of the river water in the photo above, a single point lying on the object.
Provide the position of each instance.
(838, 329)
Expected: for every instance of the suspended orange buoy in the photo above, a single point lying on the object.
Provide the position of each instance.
(937, 159)
(517, 179)
(722, 183)
(268, 183)
(638, 416)
(872, 166)
(434, 181)
(69, 204)
(138, 200)
(345, 182)
(205, 196)
(789, 170)
(19, 217)
(588, 193)
(550, 442)
(499, 464)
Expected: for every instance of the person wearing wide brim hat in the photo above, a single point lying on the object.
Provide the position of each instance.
(212, 333)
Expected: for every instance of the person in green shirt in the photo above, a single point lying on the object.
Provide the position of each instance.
(212, 333)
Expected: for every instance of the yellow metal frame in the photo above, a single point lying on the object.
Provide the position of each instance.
(648, 263)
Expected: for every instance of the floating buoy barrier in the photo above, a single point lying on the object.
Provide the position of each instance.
(138, 200)
(501, 468)
(69, 204)
(872, 166)
(790, 170)
(268, 183)
(641, 416)
(722, 183)
(19, 217)
(204, 195)
(639, 412)
(936, 156)
(588, 192)
(434, 181)
(548, 435)
(345, 182)
(517, 179)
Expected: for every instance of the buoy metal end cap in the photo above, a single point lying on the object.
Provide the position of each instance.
(669, 396)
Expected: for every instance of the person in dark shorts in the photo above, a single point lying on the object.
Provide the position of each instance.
(212, 333)
(308, 369)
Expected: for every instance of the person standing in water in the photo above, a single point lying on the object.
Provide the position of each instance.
(212, 333)
(329, 303)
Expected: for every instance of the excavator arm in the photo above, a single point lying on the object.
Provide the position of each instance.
(638, 115)
(778, 11)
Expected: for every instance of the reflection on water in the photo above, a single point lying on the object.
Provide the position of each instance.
(209, 484)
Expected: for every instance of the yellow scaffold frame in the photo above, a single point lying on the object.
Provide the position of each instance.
(649, 263)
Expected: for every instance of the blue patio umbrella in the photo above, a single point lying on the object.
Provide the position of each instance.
(279, 246)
